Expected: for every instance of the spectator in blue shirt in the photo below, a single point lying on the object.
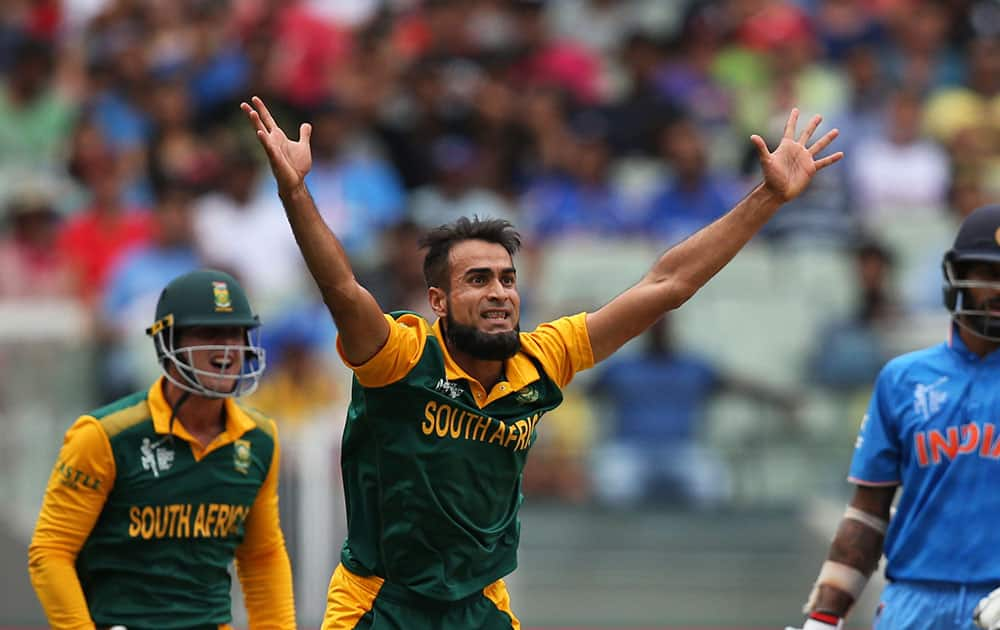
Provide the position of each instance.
(693, 196)
(579, 199)
(358, 193)
(659, 398)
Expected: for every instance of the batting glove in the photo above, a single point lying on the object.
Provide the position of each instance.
(987, 613)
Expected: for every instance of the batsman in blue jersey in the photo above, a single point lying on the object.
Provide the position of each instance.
(932, 433)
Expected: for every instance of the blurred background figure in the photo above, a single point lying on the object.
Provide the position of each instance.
(307, 385)
(651, 451)
(578, 197)
(134, 284)
(105, 227)
(454, 191)
(896, 171)
(694, 196)
(37, 114)
(851, 351)
(31, 267)
(356, 190)
(239, 226)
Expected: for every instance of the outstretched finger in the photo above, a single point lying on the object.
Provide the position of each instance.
(808, 131)
(824, 142)
(761, 146)
(828, 160)
(265, 114)
(262, 135)
(305, 132)
(253, 116)
(793, 121)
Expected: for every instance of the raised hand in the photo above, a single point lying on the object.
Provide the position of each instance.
(790, 168)
(290, 160)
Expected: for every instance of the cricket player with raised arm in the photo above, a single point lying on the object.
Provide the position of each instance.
(443, 414)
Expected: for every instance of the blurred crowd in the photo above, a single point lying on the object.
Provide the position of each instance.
(125, 160)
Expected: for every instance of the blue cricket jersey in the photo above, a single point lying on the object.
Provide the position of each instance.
(933, 427)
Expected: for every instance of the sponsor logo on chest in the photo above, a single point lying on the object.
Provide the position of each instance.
(929, 398)
(449, 388)
(157, 456)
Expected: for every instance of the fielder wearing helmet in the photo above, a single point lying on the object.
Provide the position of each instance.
(198, 316)
(155, 495)
(969, 264)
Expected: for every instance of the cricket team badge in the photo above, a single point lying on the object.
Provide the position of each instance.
(241, 456)
(528, 395)
(220, 291)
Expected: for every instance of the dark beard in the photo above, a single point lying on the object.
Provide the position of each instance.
(480, 345)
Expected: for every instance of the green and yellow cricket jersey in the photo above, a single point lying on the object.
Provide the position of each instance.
(140, 522)
(432, 462)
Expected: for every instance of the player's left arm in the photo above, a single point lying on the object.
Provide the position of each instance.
(686, 267)
(853, 557)
(262, 560)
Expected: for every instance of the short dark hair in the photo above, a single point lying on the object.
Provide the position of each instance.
(440, 240)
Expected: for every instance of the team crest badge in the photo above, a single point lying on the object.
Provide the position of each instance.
(220, 291)
(528, 395)
(241, 456)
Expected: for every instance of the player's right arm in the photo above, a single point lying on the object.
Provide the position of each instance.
(853, 557)
(360, 321)
(76, 493)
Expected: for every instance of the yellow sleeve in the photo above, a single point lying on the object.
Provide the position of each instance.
(397, 357)
(262, 561)
(562, 346)
(76, 493)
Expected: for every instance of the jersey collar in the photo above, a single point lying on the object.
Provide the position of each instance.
(237, 421)
(958, 346)
(519, 371)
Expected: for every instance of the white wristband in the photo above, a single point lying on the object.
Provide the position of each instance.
(841, 577)
(816, 624)
(870, 520)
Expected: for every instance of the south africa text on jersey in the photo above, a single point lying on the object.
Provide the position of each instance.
(186, 520)
(456, 423)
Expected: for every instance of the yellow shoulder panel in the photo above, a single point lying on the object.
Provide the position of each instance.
(402, 351)
(125, 418)
(262, 421)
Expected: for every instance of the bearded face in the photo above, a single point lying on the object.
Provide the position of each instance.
(488, 346)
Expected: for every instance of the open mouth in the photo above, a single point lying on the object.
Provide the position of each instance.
(497, 315)
(222, 363)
